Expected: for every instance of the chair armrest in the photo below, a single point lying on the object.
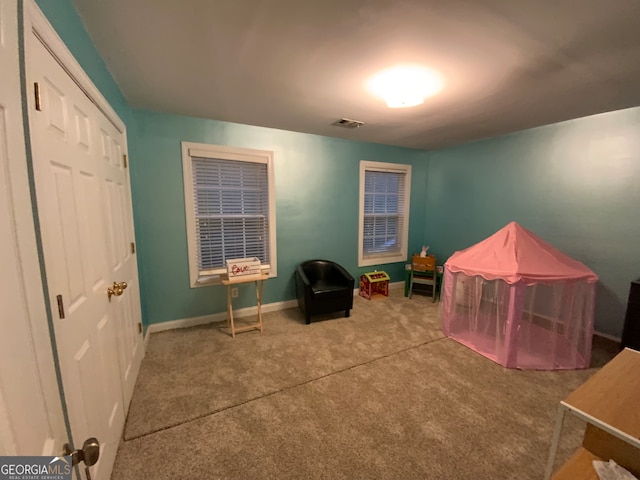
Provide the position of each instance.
(303, 276)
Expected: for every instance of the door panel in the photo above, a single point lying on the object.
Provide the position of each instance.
(119, 225)
(65, 224)
(56, 111)
(94, 227)
(82, 129)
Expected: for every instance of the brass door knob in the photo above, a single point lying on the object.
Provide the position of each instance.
(116, 289)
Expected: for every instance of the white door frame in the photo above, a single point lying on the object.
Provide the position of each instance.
(31, 412)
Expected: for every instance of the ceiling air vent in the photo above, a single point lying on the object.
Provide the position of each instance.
(348, 123)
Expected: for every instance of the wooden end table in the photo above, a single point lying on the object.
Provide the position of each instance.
(259, 281)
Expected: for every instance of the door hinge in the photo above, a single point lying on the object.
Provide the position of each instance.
(60, 306)
(124, 160)
(36, 92)
(133, 248)
(139, 328)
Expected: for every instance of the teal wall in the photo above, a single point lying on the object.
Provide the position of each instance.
(576, 184)
(316, 201)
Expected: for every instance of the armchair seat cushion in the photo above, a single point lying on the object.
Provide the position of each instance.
(323, 286)
(327, 287)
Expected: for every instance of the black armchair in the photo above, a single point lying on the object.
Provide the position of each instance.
(323, 286)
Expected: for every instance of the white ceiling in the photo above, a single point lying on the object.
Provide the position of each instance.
(302, 64)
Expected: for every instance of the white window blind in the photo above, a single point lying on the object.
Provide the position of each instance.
(231, 201)
(384, 212)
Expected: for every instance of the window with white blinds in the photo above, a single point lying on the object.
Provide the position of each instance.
(230, 208)
(384, 212)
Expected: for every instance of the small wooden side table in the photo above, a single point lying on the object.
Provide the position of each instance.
(608, 402)
(259, 281)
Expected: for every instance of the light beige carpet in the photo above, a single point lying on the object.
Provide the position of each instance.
(381, 394)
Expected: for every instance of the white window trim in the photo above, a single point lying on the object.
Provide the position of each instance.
(366, 165)
(189, 150)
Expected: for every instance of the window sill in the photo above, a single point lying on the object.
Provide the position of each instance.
(381, 260)
(208, 280)
(216, 278)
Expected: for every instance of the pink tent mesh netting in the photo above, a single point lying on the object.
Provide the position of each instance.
(520, 302)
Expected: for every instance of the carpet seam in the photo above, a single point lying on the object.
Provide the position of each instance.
(284, 389)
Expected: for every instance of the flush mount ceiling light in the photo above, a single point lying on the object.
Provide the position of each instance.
(405, 86)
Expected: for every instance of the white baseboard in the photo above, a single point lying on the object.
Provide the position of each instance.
(147, 336)
(186, 322)
(608, 337)
(219, 317)
(240, 313)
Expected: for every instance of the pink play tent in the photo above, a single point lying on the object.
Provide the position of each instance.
(520, 302)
